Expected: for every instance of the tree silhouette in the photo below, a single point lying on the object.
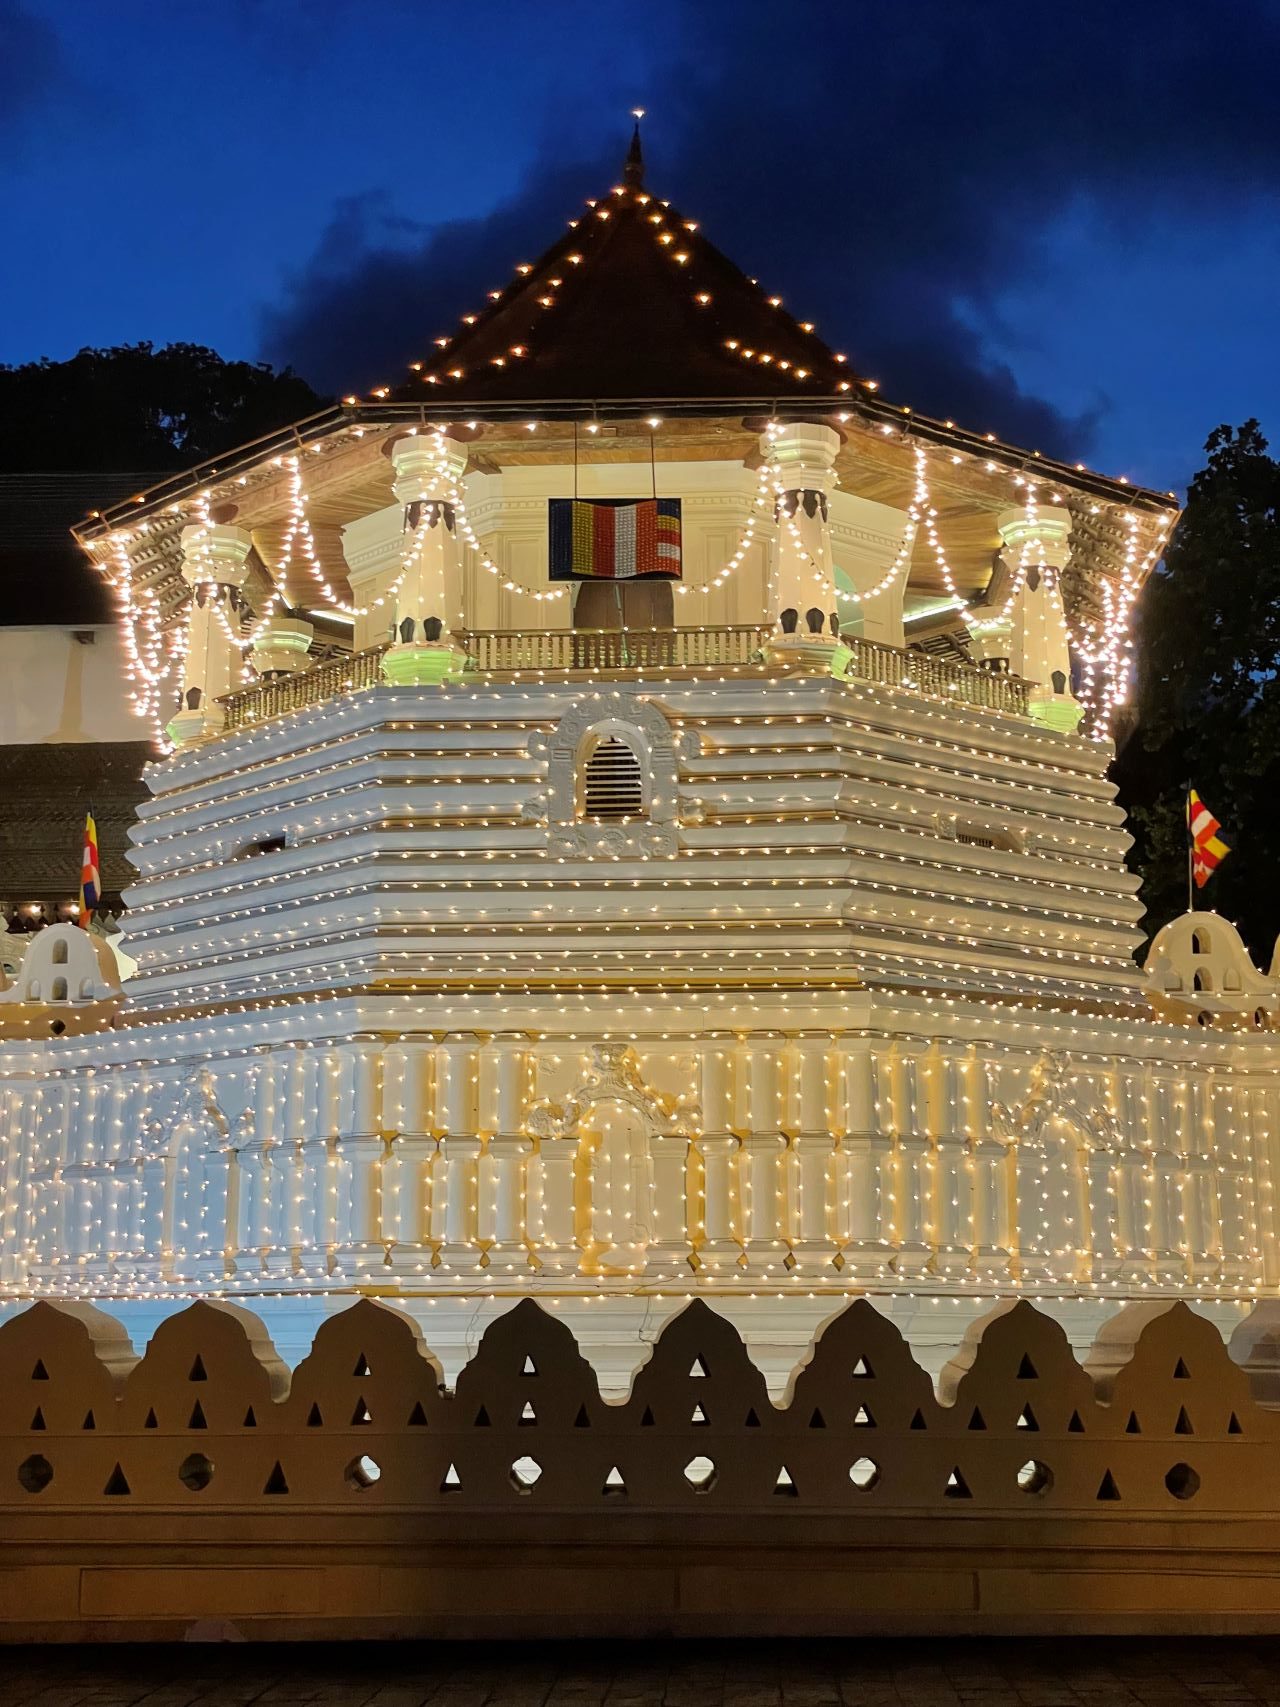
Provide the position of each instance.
(138, 408)
(1208, 692)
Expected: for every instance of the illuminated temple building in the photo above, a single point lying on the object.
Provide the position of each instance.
(634, 822)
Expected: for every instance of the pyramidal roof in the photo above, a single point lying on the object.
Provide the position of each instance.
(632, 304)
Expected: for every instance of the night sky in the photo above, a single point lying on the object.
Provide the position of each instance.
(1055, 222)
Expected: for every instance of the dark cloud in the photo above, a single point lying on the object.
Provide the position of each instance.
(32, 65)
(892, 170)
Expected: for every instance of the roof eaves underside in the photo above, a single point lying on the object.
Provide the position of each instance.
(383, 413)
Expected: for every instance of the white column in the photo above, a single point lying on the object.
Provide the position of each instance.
(811, 1157)
(504, 1076)
(862, 1162)
(1036, 539)
(717, 1147)
(457, 1076)
(215, 566)
(428, 601)
(802, 584)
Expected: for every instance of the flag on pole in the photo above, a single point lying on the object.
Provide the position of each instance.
(1208, 850)
(90, 876)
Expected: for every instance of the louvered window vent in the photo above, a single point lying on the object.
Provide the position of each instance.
(612, 784)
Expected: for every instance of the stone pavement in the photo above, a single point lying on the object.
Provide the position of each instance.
(1082, 1672)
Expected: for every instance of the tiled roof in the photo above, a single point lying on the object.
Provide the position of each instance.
(45, 577)
(633, 303)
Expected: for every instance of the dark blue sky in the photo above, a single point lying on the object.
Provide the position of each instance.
(1058, 223)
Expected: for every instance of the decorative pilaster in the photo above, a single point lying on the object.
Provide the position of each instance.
(428, 601)
(803, 586)
(281, 646)
(1037, 539)
(504, 1096)
(215, 566)
(717, 1147)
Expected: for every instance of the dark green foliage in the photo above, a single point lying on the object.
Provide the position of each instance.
(1208, 694)
(136, 407)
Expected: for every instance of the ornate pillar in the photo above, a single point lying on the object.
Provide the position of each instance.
(802, 585)
(428, 599)
(552, 1230)
(764, 1181)
(811, 1157)
(862, 1161)
(456, 1095)
(504, 1072)
(281, 647)
(717, 1147)
(215, 566)
(1036, 539)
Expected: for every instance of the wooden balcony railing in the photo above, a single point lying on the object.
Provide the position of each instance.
(312, 687)
(552, 651)
(513, 650)
(963, 683)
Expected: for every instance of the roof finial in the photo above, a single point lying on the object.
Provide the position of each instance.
(633, 167)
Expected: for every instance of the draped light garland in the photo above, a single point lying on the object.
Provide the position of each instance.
(1099, 639)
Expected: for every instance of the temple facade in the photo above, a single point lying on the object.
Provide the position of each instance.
(634, 822)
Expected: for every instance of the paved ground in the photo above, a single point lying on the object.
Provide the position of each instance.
(1079, 1673)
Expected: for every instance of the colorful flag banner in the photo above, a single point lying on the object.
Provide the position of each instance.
(1208, 850)
(605, 539)
(90, 875)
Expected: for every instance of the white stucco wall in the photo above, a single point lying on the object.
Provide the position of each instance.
(58, 688)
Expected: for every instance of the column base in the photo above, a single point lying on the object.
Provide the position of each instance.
(719, 1256)
(812, 1256)
(460, 1259)
(866, 1259)
(952, 1262)
(508, 1259)
(676, 1260)
(1059, 711)
(763, 1255)
(557, 1259)
(423, 665)
(188, 727)
(912, 1259)
(809, 654)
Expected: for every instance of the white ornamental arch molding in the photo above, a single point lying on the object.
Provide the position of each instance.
(641, 723)
(1063, 1155)
(631, 1146)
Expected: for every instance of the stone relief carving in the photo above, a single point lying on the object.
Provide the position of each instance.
(642, 724)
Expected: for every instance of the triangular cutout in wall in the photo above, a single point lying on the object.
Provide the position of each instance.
(361, 1416)
(198, 1370)
(314, 1419)
(1026, 1369)
(37, 1421)
(1107, 1489)
(957, 1488)
(116, 1483)
(417, 1416)
(977, 1421)
(1183, 1424)
(452, 1481)
(276, 1483)
(196, 1419)
(613, 1482)
(784, 1484)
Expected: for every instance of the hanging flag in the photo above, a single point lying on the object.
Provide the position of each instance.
(1208, 850)
(90, 876)
(613, 540)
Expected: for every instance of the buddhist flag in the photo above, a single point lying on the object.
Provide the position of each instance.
(90, 876)
(603, 539)
(1208, 850)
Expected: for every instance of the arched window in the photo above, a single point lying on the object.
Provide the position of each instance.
(1202, 980)
(1199, 943)
(59, 991)
(60, 952)
(612, 783)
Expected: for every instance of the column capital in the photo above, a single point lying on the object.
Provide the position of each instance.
(804, 452)
(420, 468)
(1048, 525)
(217, 552)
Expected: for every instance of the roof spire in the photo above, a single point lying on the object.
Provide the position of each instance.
(633, 166)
